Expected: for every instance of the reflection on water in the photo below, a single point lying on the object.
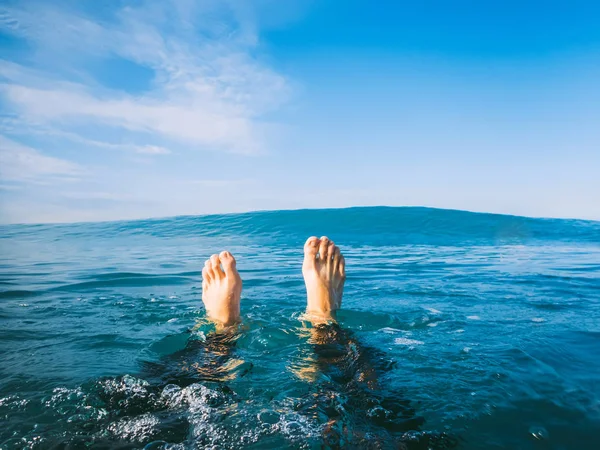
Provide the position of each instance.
(344, 401)
(185, 399)
(347, 396)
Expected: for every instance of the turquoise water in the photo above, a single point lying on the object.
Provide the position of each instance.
(458, 330)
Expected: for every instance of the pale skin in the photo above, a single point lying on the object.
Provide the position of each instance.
(324, 276)
(221, 289)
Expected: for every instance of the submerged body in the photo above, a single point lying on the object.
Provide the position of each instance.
(346, 397)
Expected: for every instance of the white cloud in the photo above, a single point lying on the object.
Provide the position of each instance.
(177, 121)
(10, 187)
(209, 91)
(152, 150)
(21, 163)
(132, 95)
(109, 196)
(220, 183)
(13, 126)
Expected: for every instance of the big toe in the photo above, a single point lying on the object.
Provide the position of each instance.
(311, 247)
(228, 262)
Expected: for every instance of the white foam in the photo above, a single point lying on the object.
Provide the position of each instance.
(61, 395)
(390, 330)
(137, 428)
(296, 427)
(473, 317)
(433, 310)
(405, 341)
(13, 401)
(538, 319)
(195, 397)
(131, 387)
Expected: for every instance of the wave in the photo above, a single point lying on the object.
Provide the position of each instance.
(17, 293)
(138, 281)
(417, 225)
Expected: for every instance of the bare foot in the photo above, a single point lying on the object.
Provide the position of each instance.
(221, 289)
(324, 276)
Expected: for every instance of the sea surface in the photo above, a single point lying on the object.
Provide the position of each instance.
(457, 330)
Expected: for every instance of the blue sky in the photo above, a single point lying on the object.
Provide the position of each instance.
(134, 109)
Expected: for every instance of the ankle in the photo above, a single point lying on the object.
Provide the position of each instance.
(224, 317)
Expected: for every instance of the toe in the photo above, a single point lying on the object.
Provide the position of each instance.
(205, 277)
(330, 251)
(205, 280)
(228, 262)
(335, 256)
(342, 267)
(215, 262)
(207, 271)
(324, 248)
(311, 247)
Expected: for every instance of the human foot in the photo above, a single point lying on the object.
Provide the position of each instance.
(324, 276)
(221, 289)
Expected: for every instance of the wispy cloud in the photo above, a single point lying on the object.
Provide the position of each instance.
(219, 183)
(21, 163)
(151, 150)
(125, 101)
(106, 196)
(10, 125)
(208, 91)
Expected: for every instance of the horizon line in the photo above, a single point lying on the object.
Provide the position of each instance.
(157, 218)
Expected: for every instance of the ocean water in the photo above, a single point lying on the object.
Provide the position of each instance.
(458, 330)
